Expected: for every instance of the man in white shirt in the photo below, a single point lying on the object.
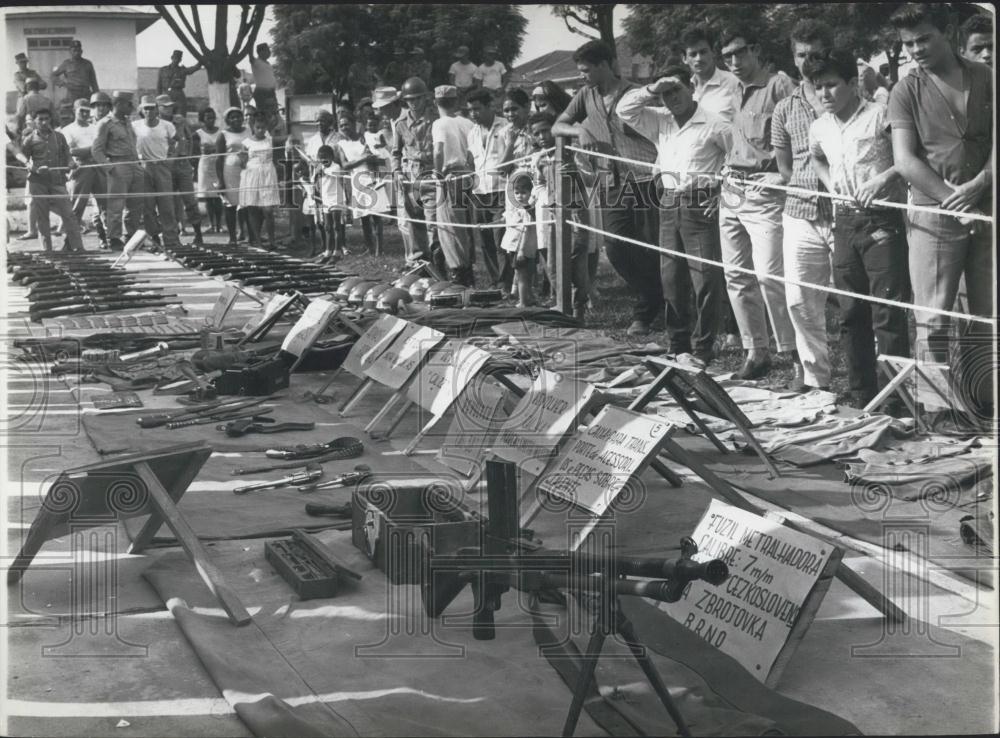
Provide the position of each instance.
(713, 87)
(155, 140)
(691, 145)
(91, 179)
(463, 72)
(491, 74)
(487, 143)
(265, 83)
(450, 135)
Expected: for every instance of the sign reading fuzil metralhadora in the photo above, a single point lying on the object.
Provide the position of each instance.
(777, 580)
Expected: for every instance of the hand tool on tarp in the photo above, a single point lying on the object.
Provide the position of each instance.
(361, 473)
(243, 471)
(243, 426)
(90, 307)
(255, 414)
(160, 419)
(344, 447)
(311, 474)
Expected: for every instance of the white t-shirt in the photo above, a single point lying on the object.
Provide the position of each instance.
(453, 132)
(492, 75)
(464, 73)
(79, 137)
(263, 74)
(153, 143)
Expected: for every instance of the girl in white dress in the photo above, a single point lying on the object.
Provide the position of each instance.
(259, 183)
(207, 187)
(359, 159)
(329, 183)
(229, 168)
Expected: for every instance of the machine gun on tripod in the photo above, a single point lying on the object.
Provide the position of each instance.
(503, 561)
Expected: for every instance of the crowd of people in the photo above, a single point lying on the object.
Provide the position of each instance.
(792, 181)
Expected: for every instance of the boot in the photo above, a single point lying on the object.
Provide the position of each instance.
(197, 234)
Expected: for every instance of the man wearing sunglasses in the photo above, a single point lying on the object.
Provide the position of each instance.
(750, 215)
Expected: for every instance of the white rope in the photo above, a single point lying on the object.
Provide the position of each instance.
(476, 226)
(787, 280)
(744, 184)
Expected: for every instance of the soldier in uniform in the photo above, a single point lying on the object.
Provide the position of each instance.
(115, 145)
(182, 168)
(76, 74)
(48, 159)
(172, 78)
(24, 73)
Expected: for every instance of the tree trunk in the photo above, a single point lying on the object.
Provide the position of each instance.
(893, 58)
(218, 97)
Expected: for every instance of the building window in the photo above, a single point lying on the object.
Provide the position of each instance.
(40, 44)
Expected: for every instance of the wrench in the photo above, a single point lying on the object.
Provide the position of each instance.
(311, 474)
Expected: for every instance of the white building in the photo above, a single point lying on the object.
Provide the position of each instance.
(107, 32)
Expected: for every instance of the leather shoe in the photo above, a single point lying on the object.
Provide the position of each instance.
(638, 328)
(754, 368)
(705, 356)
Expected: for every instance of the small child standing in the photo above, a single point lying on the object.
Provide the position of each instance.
(357, 157)
(259, 182)
(520, 238)
(333, 204)
(543, 163)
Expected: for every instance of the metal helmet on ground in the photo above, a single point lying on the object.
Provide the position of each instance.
(371, 296)
(345, 287)
(406, 280)
(418, 290)
(436, 288)
(393, 300)
(357, 294)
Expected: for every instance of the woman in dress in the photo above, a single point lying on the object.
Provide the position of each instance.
(207, 187)
(229, 168)
(259, 183)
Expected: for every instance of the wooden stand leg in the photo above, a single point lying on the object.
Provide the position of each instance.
(667, 473)
(37, 535)
(412, 445)
(384, 411)
(209, 573)
(355, 396)
(889, 389)
(148, 530)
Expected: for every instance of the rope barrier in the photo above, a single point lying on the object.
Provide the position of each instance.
(786, 188)
(475, 226)
(788, 280)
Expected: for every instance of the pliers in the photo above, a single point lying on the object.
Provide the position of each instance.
(260, 424)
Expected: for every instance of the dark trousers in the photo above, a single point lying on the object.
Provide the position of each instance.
(85, 182)
(637, 265)
(685, 227)
(870, 258)
(487, 208)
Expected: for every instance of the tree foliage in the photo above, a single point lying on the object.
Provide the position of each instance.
(592, 21)
(315, 44)
(218, 59)
(863, 28)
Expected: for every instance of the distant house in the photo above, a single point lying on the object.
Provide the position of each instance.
(559, 67)
(107, 33)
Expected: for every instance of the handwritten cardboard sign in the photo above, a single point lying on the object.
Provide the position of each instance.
(223, 304)
(448, 371)
(772, 572)
(601, 459)
(372, 343)
(398, 362)
(550, 409)
(309, 327)
(478, 415)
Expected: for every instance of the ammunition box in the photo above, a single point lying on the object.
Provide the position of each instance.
(253, 380)
(398, 528)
